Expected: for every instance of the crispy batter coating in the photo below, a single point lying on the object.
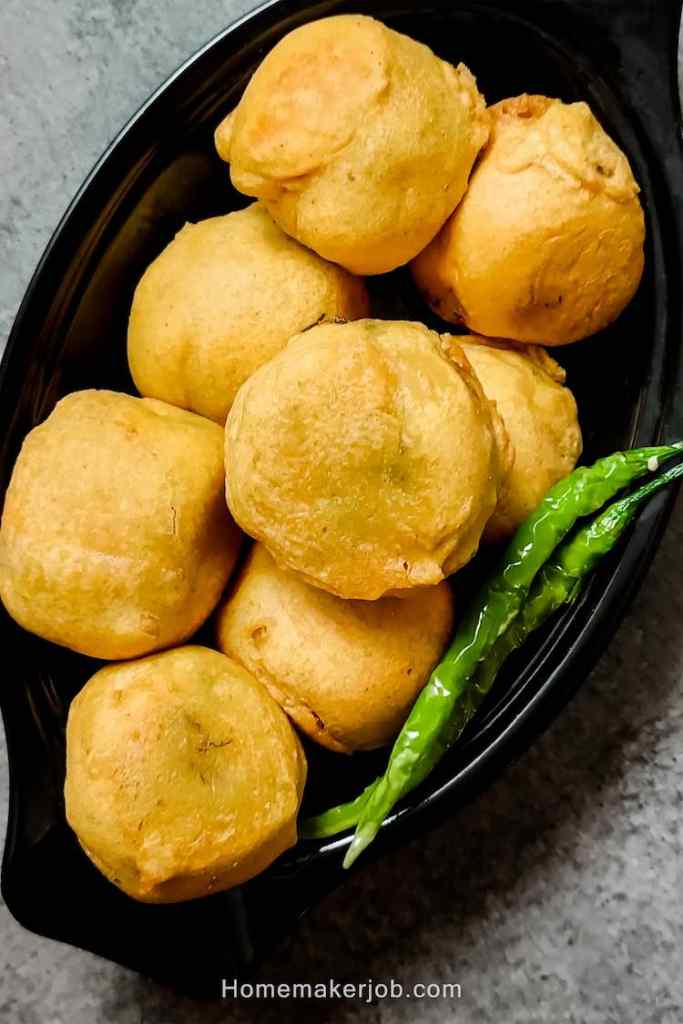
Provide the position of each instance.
(359, 140)
(347, 672)
(220, 300)
(365, 457)
(115, 537)
(547, 245)
(540, 418)
(183, 775)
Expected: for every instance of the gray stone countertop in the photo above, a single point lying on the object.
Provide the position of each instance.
(557, 896)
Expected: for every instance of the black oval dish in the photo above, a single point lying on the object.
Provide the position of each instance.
(619, 55)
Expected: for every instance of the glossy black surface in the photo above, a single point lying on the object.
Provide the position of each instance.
(161, 171)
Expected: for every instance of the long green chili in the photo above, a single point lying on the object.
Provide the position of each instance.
(560, 580)
(448, 701)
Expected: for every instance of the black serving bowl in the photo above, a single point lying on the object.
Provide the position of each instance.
(620, 56)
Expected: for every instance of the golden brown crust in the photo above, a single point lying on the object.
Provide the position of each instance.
(551, 222)
(221, 300)
(540, 418)
(526, 106)
(358, 139)
(115, 537)
(183, 776)
(347, 672)
(306, 101)
(364, 458)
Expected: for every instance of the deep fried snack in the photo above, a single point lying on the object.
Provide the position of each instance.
(183, 775)
(547, 245)
(365, 457)
(358, 139)
(220, 300)
(115, 537)
(347, 672)
(540, 418)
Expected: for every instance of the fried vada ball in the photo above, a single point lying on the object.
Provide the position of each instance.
(540, 418)
(365, 457)
(115, 537)
(347, 672)
(220, 300)
(183, 776)
(358, 139)
(547, 244)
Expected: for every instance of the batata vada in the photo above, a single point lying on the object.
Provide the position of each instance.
(547, 244)
(358, 139)
(220, 300)
(365, 457)
(347, 672)
(115, 537)
(540, 418)
(183, 776)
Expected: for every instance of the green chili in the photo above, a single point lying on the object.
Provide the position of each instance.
(429, 729)
(560, 580)
(336, 819)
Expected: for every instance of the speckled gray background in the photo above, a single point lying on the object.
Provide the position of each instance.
(558, 896)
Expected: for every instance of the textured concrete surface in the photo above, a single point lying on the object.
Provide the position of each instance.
(557, 897)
